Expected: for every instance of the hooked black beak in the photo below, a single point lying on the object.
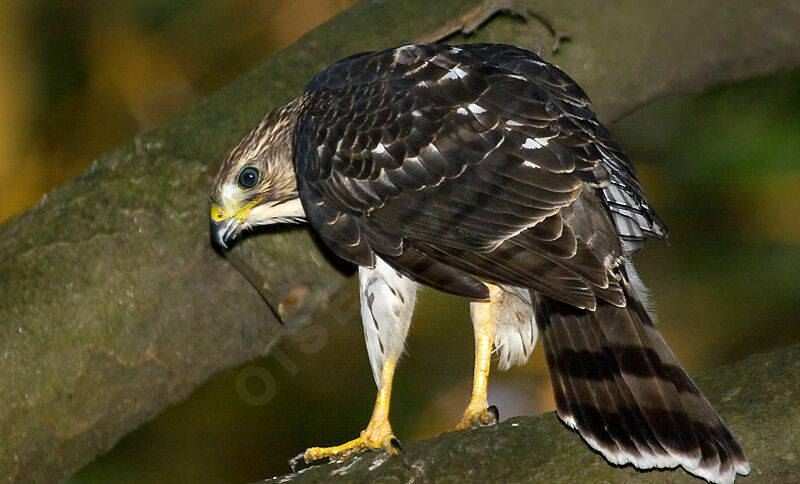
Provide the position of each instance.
(224, 232)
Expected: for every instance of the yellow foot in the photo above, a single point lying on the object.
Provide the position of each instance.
(373, 438)
(378, 434)
(338, 453)
(478, 417)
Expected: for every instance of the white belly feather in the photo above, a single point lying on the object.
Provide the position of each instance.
(387, 304)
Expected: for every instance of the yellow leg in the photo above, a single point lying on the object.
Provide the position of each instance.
(478, 412)
(377, 435)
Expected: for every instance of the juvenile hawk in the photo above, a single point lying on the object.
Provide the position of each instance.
(481, 170)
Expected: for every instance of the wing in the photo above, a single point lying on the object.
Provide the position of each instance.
(465, 164)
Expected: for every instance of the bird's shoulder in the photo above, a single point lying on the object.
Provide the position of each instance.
(411, 116)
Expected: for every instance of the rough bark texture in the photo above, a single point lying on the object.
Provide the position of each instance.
(112, 303)
(757, 398)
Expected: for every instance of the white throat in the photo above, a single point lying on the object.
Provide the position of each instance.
(271, 213)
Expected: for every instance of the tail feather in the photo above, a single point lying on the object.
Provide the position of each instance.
(616, 382)
(593, 404)
(623, 403)
(566, 372)
(717, 443)
(655, 383)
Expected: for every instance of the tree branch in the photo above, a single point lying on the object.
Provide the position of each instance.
(757, 398)
(112, 303)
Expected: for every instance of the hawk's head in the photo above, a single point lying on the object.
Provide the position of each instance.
(256, 183)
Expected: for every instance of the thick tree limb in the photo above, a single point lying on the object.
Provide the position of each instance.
(757, 398)
(113, 305)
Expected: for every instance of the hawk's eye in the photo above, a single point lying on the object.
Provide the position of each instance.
(248, 178)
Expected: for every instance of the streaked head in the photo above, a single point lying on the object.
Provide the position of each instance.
(256, 183)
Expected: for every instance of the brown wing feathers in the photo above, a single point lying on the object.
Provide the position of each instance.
(465, 182)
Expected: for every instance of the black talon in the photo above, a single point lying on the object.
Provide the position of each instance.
(296, 460)
(495, 413)
(395, 444)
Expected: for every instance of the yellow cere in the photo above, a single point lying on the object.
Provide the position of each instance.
(217, 215)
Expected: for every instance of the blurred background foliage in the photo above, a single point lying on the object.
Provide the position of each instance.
(79, 78)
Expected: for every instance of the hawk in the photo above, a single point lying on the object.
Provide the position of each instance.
(481, 170)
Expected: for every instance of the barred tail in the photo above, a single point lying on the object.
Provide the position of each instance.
(618, 384)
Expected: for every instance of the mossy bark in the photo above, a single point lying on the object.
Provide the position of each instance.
(756, 397)
(112, 303)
